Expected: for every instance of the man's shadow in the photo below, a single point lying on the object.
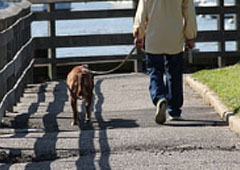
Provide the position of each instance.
(196, 122)
(202, 122)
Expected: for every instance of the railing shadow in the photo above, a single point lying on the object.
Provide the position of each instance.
(104, 150)
(45, 146)
(21, 122)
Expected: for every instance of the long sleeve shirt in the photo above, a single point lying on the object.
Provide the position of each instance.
(165, 24)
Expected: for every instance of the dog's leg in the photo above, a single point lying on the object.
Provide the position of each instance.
(75, 111)
(88, 108)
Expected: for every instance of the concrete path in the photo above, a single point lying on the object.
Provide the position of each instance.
(123, 134)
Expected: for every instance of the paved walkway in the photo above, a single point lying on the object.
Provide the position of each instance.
(123, 134)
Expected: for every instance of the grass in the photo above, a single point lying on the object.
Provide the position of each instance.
(225, 82)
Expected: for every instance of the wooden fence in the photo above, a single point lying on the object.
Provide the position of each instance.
(221, 57)
(52, 42)
(221, 36)
(16, 59)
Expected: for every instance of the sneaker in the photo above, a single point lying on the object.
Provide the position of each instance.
(160, 116)
(175, 118)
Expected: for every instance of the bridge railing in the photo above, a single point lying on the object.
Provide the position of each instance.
(16, 60)
(54, 41)
(221, 35)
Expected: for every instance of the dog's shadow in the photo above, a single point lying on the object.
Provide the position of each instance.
(98, 121)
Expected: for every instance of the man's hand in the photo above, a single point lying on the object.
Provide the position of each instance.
(139, 43)
(189, 44)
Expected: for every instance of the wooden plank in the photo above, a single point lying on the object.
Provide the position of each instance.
(237, 19)
(199, 10)
(8, 34)
(59, 1)
(211, 58)
(39, 61)
(22, 56)
(3, 87)
(13, 67)
(62, 61)
(7, 71)
(68, 15)
(214, 36)
(3, 56)
(52, 69)
(85, 40)
(121, 39)
(14, 11)
(216, 54)
(6, 102)
(216, 10)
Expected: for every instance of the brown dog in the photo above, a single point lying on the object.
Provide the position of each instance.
(80, 84)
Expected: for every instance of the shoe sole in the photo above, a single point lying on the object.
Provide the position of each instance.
(160, 116)
(175, 119)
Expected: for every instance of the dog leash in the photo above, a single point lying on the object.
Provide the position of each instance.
(120, 65)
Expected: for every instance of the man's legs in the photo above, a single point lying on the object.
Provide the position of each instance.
(174, 83)
(157, 88)
(155, 68)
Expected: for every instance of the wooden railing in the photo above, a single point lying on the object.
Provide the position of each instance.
(16, 59)
(221, 57)
(53, 41)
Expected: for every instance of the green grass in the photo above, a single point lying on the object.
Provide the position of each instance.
(225, 82)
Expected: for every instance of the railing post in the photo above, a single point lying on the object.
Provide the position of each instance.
(52, 68)
(138, 62)
(237, 3)
(221, 25)
(135, 4)
(3, 61)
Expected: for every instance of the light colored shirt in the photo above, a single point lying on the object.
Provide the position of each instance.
(165, 24)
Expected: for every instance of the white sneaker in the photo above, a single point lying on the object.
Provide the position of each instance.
(160, 115)
(175, 118)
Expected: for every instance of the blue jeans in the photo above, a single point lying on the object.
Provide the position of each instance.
(171, 88)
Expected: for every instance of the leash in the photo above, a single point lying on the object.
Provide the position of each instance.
(116, 68)
(107, 72)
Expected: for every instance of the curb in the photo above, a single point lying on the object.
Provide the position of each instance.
(211, 98)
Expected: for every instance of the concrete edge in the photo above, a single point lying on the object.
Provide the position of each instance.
(211, 98)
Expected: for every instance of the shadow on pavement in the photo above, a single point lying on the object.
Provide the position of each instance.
(45, 146)
(21, 122)
(104, 150)
(195, 122)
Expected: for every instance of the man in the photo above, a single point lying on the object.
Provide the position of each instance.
(165, 26)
